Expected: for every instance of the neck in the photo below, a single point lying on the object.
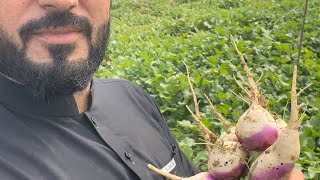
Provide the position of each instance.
(82, 99)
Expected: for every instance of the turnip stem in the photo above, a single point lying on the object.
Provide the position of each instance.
(242, 87)
(301, 91)
(284, 111)
(204, 129)
(242, 79)
(294, 116)
(253, 86)
(195, 101)
(165, 174)
(259, 78)
(301, 105)
(241, 97)
(221, 118)
(210, 144)
(206, 133)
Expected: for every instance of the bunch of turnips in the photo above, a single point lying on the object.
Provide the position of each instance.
(261, 146)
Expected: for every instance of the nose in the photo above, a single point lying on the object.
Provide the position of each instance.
(58, 5)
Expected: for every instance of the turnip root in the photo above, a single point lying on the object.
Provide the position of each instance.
(279, 159)
(276, 162)
(231, 136)
(227, 161)
(227, 158)
(256, 129)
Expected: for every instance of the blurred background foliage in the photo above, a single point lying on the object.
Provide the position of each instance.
(150, 40)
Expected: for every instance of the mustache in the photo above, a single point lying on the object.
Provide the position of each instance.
(54, 20)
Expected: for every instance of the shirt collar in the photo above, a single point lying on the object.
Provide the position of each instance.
(20, 98)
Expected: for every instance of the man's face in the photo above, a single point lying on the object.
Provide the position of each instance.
(52, 46)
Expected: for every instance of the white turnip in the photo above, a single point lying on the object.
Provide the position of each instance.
(256, 129)
(227, 161)
(227, 158)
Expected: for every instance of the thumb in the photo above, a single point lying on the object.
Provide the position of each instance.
(296, 175)
(201, 176)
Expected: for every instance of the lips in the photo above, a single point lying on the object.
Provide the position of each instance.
(58, 30)
(58, 35)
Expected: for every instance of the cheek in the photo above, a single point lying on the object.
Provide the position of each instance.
(98, 11)
(6, 23)
(13, 14)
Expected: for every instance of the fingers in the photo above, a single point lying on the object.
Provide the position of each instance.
(296, 175)
(201, 176)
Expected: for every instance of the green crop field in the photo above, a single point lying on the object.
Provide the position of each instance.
(150, 40)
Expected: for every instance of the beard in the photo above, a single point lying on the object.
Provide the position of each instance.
(61, 77)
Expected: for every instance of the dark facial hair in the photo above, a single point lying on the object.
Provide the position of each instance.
(61, 76)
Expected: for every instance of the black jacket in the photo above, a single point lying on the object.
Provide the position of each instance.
(116, 138)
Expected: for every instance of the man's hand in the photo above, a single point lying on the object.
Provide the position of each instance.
(296, 175)
(200, 176)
